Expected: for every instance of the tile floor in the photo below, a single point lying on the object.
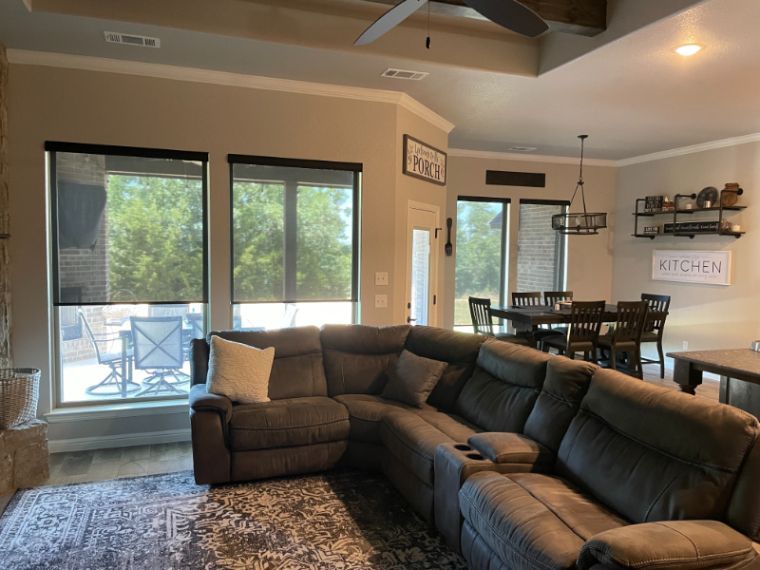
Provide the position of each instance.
(103, 464)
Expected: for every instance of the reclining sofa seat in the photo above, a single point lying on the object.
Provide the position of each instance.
(634, 454)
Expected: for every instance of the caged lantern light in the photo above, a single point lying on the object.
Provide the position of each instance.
(579, 223)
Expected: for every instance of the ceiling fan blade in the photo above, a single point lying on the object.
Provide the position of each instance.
(511, 15)
(389, 20)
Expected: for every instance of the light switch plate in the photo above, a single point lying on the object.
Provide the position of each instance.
(381, 278)
(381, 301)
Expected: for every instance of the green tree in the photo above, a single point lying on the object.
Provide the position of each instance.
(155, 236)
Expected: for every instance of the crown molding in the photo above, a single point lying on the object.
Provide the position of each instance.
(195, 75)
(684, 150)
(515, 156)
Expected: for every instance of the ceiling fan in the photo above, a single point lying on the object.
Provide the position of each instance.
(510, 14)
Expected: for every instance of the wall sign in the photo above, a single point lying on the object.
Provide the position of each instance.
(423, 161)
(705, 267)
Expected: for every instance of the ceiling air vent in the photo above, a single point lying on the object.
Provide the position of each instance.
(132, 40)
(404, 74)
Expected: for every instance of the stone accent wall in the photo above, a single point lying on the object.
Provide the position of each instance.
(5, 283)
(23, 456)
(538, 246)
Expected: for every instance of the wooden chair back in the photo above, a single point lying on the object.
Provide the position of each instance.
(529, 299)
(551, 298)
(480, 313)
(585, 321)
(631, 316)
(658, 312)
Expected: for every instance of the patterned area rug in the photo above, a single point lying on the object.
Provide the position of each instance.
(339, 520)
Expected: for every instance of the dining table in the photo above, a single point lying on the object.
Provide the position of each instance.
(531, 318)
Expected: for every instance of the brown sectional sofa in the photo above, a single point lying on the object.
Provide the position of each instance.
(520, 459)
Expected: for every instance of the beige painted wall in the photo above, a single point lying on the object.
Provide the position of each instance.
(589, 257)
(105, 108)
(706, 316)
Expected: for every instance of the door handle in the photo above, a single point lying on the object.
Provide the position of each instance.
(410, 320)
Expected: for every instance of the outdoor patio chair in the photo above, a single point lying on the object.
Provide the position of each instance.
(109, 352)
(158, 349)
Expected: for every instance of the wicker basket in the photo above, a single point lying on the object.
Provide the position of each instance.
(19, 392)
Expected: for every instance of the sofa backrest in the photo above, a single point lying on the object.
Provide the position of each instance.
(654, 454)
(504, 386)
(297, 370)
(744, 510)
(357, 357)
(459, 350)
(566, 384)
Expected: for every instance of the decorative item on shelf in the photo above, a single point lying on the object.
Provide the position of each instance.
(691, 228)
(709, 194)
(19, 394)
(650, 230)
(678, 201)
(653, 203)
(729, 196)
(667, 205)
(580, 223)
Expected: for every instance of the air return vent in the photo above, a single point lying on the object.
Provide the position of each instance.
(132, 40)
(404, 74)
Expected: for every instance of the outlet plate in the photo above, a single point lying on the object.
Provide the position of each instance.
(685, 345)
(381, 278)
(381, 301)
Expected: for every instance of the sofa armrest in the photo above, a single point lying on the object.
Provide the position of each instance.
(202, 401)
(685, 544)
(511, 448)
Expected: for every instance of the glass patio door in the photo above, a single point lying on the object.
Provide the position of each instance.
(422, 263)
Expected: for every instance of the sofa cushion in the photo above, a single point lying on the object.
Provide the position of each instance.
(358, 356)
(504, 387)
(566, 383)
(239, 371)
(654, 454)
(365, 412)
(288, 423)
(531, 520)
(412, 436)
(459, 350)
(412, 379)
(297, 370)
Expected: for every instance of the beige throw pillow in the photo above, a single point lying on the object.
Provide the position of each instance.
(239, 371)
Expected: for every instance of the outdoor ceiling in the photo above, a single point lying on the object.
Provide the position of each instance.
(625, 87)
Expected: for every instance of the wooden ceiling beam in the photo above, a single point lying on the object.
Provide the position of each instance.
(581, 17)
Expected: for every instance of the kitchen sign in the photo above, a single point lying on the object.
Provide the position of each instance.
(705, 267)
(424, 161)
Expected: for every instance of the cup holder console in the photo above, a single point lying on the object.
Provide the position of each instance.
(463, 447)
(474, 456)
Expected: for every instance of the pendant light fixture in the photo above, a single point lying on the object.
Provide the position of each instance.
(579, 224)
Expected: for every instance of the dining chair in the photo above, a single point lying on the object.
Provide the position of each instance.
(158, 349)
(654, 327)
(582, 332)
(109, 352)
(480, 313)
(527, 299)
(551, 298)
(625, 337)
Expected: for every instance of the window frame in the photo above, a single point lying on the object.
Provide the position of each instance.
(355, 168)
(506, 205)
(51, 149)
(560, 277)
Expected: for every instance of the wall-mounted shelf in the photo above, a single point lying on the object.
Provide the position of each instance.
(690, 229)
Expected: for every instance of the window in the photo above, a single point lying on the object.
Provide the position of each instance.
(541, 251)
(129, 270)
(295, 235)
(481, 269)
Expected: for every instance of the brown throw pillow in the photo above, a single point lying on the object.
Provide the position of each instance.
(413, 378)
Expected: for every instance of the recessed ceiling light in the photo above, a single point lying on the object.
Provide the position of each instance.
(687, 50)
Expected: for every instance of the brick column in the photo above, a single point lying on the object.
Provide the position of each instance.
(5, 284)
